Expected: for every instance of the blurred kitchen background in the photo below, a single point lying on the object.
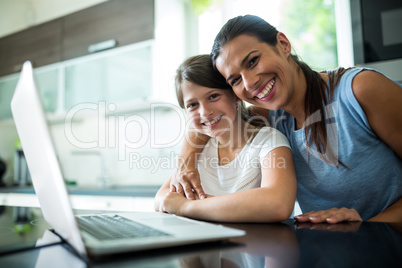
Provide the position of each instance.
(105, 70)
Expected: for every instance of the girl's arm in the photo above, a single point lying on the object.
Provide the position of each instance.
(273, 202)
(160, 195)
(186, 177)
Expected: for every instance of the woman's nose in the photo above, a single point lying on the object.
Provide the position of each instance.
(250, 81)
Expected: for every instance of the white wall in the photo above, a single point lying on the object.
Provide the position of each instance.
(344, 33)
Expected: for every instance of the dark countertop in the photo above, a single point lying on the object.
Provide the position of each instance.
(284, 244)
(115, 190)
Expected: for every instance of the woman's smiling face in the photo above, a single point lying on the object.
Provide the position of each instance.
(258, 73)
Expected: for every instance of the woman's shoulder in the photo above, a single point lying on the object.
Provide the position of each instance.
(369, 82)
(282, 121)
(362, 78)
(358, 85)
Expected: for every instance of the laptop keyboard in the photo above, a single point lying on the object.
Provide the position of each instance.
(105, 227)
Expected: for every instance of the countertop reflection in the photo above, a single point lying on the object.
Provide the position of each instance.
(113, 190)
(284, 244)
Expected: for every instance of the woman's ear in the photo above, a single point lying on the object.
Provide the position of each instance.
(283, 43)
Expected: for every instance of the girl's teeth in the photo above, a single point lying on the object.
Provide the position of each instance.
(211, 122)
(266, 90)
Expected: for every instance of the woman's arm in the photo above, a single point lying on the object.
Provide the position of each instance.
(273, 202)
(335, 215)
(381, 100)
(392, 214)
(186, 177)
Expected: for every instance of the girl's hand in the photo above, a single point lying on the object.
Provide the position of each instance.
(173, 203)
(333, 215)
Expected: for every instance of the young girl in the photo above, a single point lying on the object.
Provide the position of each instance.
(246, 170)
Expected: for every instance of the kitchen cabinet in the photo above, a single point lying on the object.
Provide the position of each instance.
(67, 73)
(7, 87)
(47, 79)
(40, 44)
(112, 76)
(122, 76)
(118, 22)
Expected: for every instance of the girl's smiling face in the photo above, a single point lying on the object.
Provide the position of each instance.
(213, 111)
(258, 73)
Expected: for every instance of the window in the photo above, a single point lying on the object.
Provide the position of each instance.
(309, 25)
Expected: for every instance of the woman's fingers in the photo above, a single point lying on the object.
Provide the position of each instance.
(198, 189)
(333, 215)
(195, 184)
(187, 184)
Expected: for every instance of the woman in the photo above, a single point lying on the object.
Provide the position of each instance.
(246, 168)
(344, 126)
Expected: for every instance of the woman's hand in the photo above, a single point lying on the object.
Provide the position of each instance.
(173, 203)
(186, 180)
(333, 215)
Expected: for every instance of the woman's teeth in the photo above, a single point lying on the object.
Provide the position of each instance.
(213, 121)
(266, 90)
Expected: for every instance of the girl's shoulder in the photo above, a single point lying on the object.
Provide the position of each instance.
(270, 136)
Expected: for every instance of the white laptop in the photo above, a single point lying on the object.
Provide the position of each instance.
(81, 231)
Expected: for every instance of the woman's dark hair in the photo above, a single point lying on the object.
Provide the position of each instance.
(316, 94)
(199, 70)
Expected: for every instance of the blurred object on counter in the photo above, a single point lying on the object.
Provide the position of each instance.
(22, 177)
(3, 169)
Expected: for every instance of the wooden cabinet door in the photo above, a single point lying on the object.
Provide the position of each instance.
(125, 21)
(40, 44)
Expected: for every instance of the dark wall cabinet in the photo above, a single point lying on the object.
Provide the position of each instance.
(120, 22)
(123, 21)
(41, 44)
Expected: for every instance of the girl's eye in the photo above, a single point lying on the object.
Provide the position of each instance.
(213, 96)
(252, 62)
(191, 105)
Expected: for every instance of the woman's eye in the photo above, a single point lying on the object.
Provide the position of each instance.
(234, 81)
(252, 61)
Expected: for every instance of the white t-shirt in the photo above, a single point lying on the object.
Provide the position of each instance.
(244, 172)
